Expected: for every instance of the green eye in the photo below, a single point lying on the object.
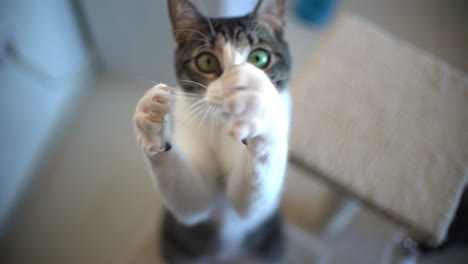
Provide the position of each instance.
(259, 58)
(207, 63)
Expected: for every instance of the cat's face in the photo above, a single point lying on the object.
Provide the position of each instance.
(208, 47)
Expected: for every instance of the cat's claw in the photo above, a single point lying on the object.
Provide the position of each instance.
(151, 119)
(247, 115)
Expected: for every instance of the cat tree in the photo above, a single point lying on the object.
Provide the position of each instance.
(386, 124)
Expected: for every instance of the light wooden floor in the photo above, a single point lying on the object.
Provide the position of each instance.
(96, 203)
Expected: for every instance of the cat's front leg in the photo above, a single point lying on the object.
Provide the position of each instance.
(182, 189)
(259, 116)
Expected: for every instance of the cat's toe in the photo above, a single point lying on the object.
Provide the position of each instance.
(158, 99)
(148, 122)
(246, 113)
(150, 118)
(244, 103)
(239, 131)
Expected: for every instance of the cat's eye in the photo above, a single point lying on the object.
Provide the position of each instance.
(206, 62)
(260, 58)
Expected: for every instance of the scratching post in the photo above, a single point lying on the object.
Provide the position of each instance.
(386, 123)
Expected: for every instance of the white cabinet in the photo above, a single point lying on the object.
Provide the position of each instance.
(38, 86)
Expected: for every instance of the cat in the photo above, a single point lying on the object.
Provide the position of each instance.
(217, 144)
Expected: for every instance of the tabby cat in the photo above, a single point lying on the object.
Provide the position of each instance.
(217, 144)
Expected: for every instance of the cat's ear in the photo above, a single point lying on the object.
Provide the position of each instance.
(270, 13)
(184, 17)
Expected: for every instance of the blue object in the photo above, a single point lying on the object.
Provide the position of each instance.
(315, 12)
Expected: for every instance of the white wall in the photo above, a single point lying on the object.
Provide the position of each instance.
(133, 38)
(36, 92)
(237, 8)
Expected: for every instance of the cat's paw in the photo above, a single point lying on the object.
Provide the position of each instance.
(151, 119)
(253, 104)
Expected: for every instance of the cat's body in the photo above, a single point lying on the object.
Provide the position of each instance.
(218, 151)
(206, 140)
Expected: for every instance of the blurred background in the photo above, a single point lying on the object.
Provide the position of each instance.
(73, 185)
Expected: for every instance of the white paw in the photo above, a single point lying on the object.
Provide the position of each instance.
(151, 119)
(252, 102)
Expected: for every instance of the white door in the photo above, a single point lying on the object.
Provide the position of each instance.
(42, 62)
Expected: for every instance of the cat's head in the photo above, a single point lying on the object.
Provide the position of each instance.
(206, 47)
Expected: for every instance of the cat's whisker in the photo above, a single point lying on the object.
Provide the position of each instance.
(211, 123)
(178, 94)
(210, 23)
(187, 96)
(189, 81)
(193, 30)
(149, 80)
(198, 112)
(289, 77)
(219, 117)
(192, 109)
(204, 45)
(180, 91)
(212, 31)
(186, 93)
(180, 97)
(255, 30)
(204, 116)
(218, 114)
(194, 104)
(188, 118)
(187, 39)
(251, 20)
(302, 102)
(187, 100)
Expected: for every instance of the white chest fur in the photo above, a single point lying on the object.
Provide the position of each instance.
(204, 140)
